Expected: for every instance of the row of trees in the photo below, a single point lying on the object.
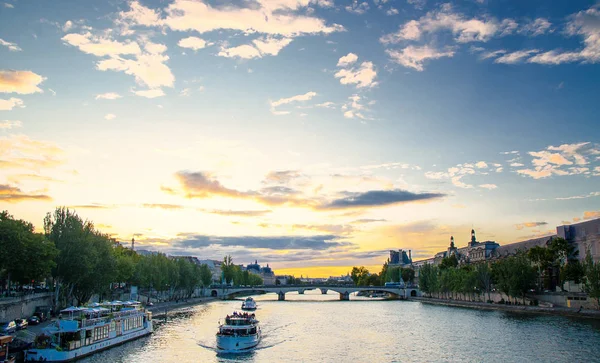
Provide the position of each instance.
(514, 276)
(362, 277)
(79, 261)
(234, 274)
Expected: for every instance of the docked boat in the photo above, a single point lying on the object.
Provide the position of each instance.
(4, 356)
(240, 332)
(249, 304)
(81, 332)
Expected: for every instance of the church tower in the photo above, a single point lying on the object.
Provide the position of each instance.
(473, 238)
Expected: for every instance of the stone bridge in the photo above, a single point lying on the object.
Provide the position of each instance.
(343, 290)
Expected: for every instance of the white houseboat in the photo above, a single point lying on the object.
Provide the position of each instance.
(239, 333)
(83, 331)
(249, 304)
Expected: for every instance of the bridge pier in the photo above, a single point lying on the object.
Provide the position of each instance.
(323, 291)
(301, 292)
(344, 296)
(281, 296)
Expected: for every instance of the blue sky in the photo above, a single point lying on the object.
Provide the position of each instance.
(182, 121)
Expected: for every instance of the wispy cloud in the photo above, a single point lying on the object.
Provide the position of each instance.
(12, 194)
(284, 101)
(108, 96)
(10, 124)
(13, 47)
(530, 225)
(7, 105)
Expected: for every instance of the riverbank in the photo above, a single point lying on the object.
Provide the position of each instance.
(584, 313)
(159, 310)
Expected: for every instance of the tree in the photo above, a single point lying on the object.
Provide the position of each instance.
(592, 278)
(26, 256)
(484, 278)
(227, 269)
(205, 275)
(449, 262)
(428, 279)
(358, 274)
(542, 258)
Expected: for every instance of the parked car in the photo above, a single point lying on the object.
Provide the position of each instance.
(43, 312)
(21, 324)
(34, 320)
(8, 328)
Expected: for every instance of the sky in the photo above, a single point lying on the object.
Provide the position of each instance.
(312, 135)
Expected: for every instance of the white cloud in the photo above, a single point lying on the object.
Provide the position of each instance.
(491, 54)
(150, 93)
(148, 69)
(283, 101)
(327, 104)
(515, 165)
(100, 46)
(585, 24)
(536, 27)
(271, 45)
(259, 48)
(481, 164)
(488, 186)
(110, 116)
(567, 160)
(499, 169)
(515, 57)
(355, 108)
(414, 57)
(148, 66)
(9, 6)
(22, 82)
(186, 92)
(464, 29)
(10, 124)
(418, 4)
(243, 51)
(362, 76)
(392, 11)
(347, 60)
(67, 26)
(194, 43)
(7, 105)
(13, 47)
(274, 17)
(108, 96)
(357, 8)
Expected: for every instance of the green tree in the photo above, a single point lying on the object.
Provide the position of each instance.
(592, 278)
(358, 274)
(26, 255)
(205, 275)
(448, 262)
(428, 279)
(484, 278)
(542, 258)
(227, 269)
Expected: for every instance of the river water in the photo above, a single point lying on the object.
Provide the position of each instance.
(320, 328)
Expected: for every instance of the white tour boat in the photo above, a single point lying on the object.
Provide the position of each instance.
(80, 332)
(249, 304)
(239, 333)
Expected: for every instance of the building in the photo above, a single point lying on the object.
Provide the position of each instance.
(266, 273)
(400, 258)
(585, 236)
(215, 268)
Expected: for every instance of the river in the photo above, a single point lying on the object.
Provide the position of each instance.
(320, 328)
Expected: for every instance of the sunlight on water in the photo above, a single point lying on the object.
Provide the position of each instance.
(320, 328)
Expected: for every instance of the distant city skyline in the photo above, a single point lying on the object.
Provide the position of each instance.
(313, 135)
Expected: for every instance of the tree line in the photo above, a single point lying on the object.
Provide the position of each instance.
(79, 261)
(514, 276)
(539, 268)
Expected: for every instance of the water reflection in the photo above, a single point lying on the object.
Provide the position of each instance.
(320, 328)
